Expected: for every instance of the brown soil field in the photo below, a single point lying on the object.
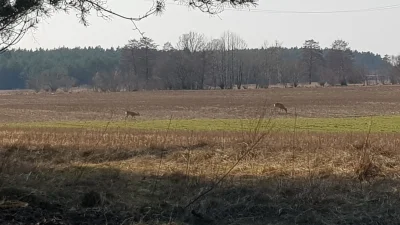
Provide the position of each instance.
(308, 102)
(77, 176)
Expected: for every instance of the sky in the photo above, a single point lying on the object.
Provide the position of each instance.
(376, 31)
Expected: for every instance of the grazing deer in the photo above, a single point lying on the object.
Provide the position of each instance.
(132, 114)
(280, 106)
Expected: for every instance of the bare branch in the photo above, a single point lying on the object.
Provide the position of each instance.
(15, 13)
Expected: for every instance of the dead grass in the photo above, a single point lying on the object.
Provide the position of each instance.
(315, 181)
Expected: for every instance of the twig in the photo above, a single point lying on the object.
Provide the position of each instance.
(104, 131)
(368, 134)
(256, 141)
(152, 10)
(162, 155)
(295, 219)
(364, 149)
(188, 157)
(81, 168)
(294, 140)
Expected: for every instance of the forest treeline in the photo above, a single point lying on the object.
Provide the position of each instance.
(193, 63)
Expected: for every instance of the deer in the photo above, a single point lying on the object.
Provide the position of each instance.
(280, 106)
(131, 113)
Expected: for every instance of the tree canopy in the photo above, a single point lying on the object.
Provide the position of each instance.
(19, 16)
(194, 62)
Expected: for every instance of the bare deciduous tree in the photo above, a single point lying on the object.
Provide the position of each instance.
(129, 65)
(148, 45)
(340, 60)
(312, 57)
(293, 69)
(193, 46)
(137, 62)
(273, 62)
(192, 41)
(214, 48)
(232, 44)
(394, 68)
(168, 47)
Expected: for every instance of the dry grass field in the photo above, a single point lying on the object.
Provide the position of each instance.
(221, 104)
(100, 173)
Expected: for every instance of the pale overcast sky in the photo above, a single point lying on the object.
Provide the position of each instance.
(375, 31)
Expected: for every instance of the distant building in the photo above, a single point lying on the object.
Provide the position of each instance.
(376, 79)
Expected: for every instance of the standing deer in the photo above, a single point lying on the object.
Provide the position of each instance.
(132, 114)
(280, 106)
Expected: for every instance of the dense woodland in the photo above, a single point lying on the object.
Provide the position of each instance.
(193, 63)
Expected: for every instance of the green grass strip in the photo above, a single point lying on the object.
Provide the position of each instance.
(361, 124)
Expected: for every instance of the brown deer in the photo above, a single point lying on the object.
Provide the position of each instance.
(280, 106)
(132, 114)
